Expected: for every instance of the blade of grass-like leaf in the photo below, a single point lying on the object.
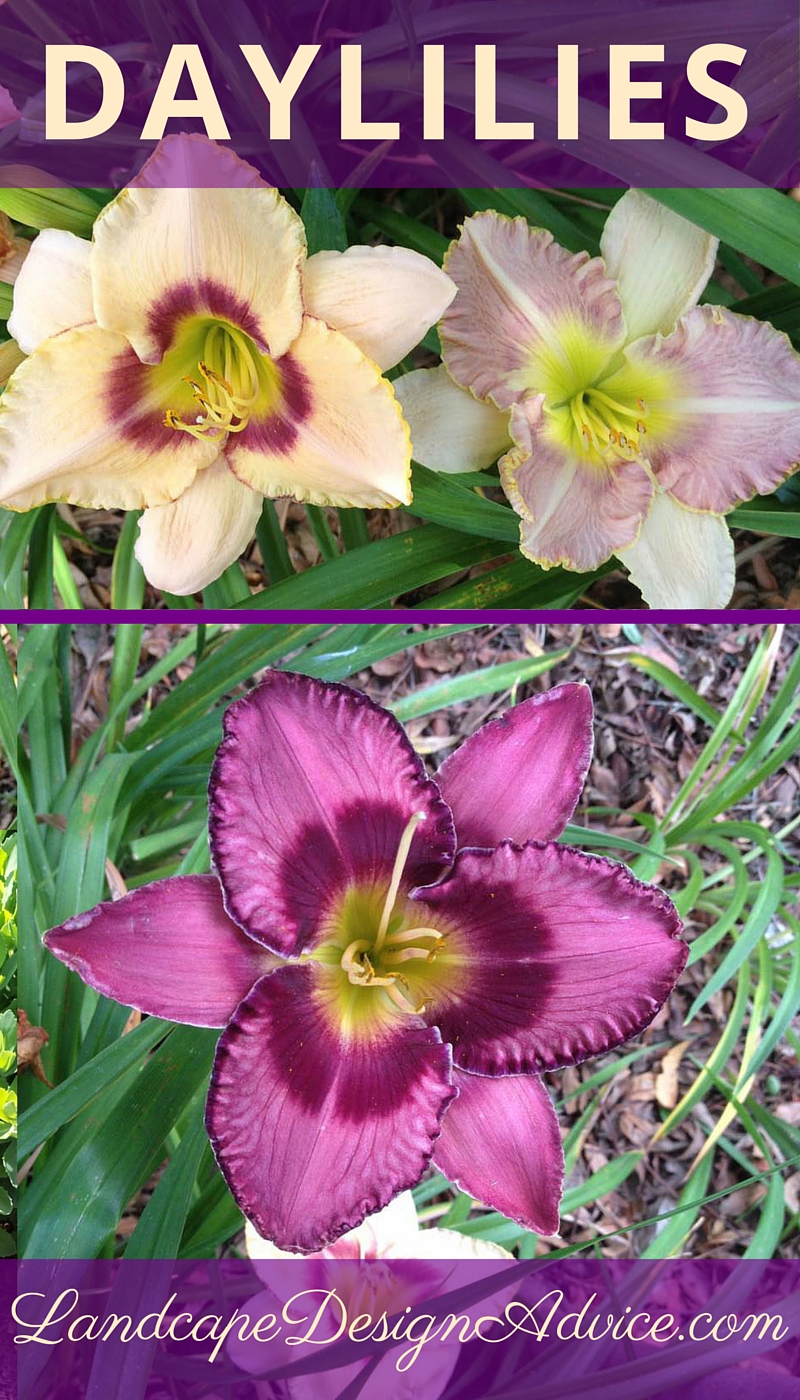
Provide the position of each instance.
(442, 501)
(354, 528)
(158, 1233)
(236, 658)
(17, 531)
(601, 1182)
(730, 722)
(79, 885)
(126, 652)
(228, 590)
(735, 899)
(766, 520)
(322, 532)
(744, 1076)
(670, 1240)
(348, 649)
(39, 708)
(127, 574)
(763, 224)
(767, 1234)
(381, 571)
(156, 843)
(760, 917)
(117, 1154)
(272, 544)
(40, 560)
(786, 1010)
(409, 233)
(69, 1098)
(71, 209)
(213, 1218)
(324, 225)
(676, 685)
(443, 694)
(62, 577)
(717, 1059)
(9, 730)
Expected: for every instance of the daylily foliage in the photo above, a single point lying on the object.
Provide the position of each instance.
(632, 418)
(192, 359)
(394, 959)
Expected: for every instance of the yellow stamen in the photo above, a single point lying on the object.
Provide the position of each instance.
(606, 425)
(375, 962)
(229, 369)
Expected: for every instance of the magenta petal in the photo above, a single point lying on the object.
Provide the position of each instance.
(520, 776)
(311, 790)
(314, 1131)
(501, 1144)
(553, 956)
(168, 949)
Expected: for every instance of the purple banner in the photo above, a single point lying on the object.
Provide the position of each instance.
(485, 93)
(619, 1330)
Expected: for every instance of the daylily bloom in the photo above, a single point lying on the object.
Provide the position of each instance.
(390, 993)
(634, 417)
(192, 360)
(383, 1266)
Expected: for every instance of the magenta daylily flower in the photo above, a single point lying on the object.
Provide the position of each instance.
(390, 994)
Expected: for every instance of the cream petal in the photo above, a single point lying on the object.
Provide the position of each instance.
(449, 1244)
(519, 295)
(335, 436)
(162, 255)
(660, 260)
(574, 513)
(76, 425)
(385, 299)
(732, 415)
(682, 558)
(450, 430)
(53, 291)
(391, 1232)
(184, 546)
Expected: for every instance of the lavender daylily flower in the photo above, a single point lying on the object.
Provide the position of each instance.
(389, 994)
(631, 418)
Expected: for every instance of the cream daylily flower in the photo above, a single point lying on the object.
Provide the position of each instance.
(383, 1275)
(192, 359)
(634, 418)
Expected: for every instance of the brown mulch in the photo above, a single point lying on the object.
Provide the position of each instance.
(768, 566)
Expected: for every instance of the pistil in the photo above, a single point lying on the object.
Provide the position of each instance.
(397, 875)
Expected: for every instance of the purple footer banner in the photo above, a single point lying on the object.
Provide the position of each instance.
(319, 1329)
